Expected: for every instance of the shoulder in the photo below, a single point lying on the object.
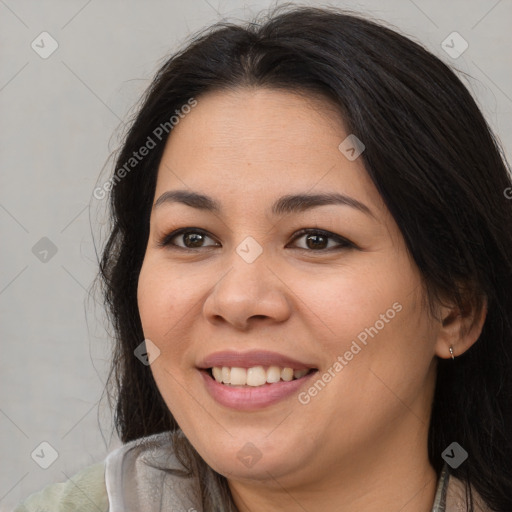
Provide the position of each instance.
(144, 474)
(85, 491)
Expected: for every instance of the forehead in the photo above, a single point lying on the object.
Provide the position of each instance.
(260, 143)
(231, 122)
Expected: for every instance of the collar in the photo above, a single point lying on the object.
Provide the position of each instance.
(442, 487)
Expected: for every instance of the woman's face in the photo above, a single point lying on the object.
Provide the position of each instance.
(243, 288)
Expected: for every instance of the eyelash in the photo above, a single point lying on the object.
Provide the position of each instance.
(165, 241)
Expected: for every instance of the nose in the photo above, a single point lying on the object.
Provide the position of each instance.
(247, 294)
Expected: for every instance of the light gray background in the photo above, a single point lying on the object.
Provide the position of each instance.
(57, 124)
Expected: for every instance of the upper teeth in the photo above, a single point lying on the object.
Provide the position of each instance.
(255, 376)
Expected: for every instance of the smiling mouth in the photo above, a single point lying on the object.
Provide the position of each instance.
(256, 376)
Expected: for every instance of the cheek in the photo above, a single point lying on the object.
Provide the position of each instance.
(170, 300)
(153, 300)
(346, 301)
(374, 318)
(163, 307)
(161, 301)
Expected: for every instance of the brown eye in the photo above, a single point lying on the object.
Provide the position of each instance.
(192, 238)
(318, 240)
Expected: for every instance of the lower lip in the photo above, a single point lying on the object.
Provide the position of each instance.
(250, 398)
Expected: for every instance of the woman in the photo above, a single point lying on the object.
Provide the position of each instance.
(309, 277)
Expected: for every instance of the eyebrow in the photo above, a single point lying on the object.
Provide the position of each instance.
(285, 204)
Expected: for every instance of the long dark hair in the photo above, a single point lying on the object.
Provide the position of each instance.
(433, 159)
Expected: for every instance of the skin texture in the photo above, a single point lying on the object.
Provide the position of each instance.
(361, 442)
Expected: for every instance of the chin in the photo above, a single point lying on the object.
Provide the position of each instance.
(248, 460)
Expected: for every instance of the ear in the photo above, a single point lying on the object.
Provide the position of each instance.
(459, 329)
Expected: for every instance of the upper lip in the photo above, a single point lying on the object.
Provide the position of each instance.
(251, 358)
